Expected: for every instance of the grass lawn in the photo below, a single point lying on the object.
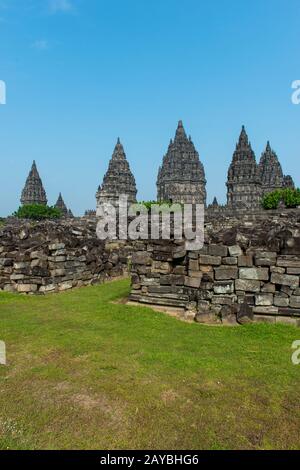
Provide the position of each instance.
(86, 373)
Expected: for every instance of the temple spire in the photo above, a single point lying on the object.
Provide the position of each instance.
(119, 152)
(270, 171)
(60, 204)
(243, 183)
(118, 179)
(181, 178)
(180, 133)
(33, 192)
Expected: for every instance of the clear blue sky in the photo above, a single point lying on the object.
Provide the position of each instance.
(80, 73)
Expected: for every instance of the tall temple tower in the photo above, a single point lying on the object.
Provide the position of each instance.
(181, 178)
(270, 171)
(118, 180)
(60, 204)
(243, 183)
(33, 192)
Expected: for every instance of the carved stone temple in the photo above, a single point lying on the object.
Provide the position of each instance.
(60, 204)
(270, 172)
(33, 192)
(181, 178)
(248, 181)
(118, 180)
(243, 182)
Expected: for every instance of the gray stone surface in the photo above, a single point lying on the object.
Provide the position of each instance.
(33, 192)
(181, 178)
(118, 180)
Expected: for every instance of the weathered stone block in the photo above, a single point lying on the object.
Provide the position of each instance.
(285, 280)
(226, 272)
(48, 288)
(179, 270)
(224, 287)
(235, 250)
(162, 267)
(291, 312)
(295, 301)
(217, 250)
(268, 288)
(266, 258)
(288, 261)
(264, 299)
(27, 288)
(210, 260)
(259, 274)
(192, 282)
(247, 285)
(265, 310)
(65, 285)
(230, 260)
(57, 272)
(141, 257)
(193, 265)
(244, 314)
(21, 265)
(56, 246)
(281, 300)
(197, 274)
(223, 299)
(276, 269)
(293, 271)
(245, 261)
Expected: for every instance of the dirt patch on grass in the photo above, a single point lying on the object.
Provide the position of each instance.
(169, 396)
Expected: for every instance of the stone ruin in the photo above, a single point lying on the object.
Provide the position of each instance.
(247, 270)
(55, 256)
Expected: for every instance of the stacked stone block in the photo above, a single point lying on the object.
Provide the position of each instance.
(57, 256)
(226, 281)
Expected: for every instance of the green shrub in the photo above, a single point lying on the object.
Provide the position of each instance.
(272, 200)
(290, 197)
(37, 212)
(148, 204)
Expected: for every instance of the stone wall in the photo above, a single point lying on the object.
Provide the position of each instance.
(247, 270)
(55, 256)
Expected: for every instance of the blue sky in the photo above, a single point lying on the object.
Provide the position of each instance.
(80, 73)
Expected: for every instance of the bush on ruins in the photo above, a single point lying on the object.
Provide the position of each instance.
(289, 197)
(37, 212)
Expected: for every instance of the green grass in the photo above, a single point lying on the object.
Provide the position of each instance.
(86, 373)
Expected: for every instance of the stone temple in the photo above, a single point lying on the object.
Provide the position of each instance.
(60, 204)
(248, 181)
(118, 180)
(270, 172)
(33, 192)
(243, 183)
(181, 178)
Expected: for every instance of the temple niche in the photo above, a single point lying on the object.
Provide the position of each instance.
(33, 192)
(181, 178)
(118, 180)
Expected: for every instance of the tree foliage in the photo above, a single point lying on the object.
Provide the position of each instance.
(37, 212)
(290, 197)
